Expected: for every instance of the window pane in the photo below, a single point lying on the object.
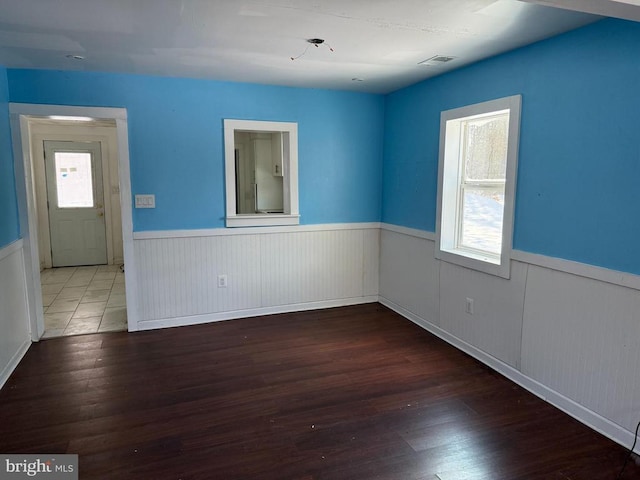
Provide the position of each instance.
(485, 148)
(481, 223)
(73, 179)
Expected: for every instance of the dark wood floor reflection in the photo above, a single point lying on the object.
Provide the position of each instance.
(345, 393)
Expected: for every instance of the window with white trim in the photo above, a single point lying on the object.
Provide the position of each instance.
(261, 173)
(476, 184)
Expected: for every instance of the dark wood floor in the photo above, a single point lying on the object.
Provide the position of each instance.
(345, 393)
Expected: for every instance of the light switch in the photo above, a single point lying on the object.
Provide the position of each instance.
(146, 201)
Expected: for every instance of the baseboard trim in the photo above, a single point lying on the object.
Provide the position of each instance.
(253, 312)
(591, 419)
(13, 363)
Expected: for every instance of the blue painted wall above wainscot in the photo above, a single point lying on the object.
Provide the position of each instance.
(176, 141)
(579, 161)
(9, 223)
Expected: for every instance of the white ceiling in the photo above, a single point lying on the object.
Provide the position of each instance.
(379, 41)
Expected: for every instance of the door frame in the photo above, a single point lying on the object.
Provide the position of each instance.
(21, 115)
(103, 133)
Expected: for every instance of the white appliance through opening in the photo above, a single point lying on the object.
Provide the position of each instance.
(76, 203)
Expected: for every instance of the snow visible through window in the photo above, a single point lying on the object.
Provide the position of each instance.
(485, 142)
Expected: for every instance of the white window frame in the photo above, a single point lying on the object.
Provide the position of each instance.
(291, 215)
(450, 186)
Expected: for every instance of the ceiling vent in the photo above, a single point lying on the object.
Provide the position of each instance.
(436, 60)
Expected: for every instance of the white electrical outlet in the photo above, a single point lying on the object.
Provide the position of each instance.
(222, 281)
(468, 307)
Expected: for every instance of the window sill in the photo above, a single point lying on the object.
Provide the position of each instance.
(483, 263)
(262, 220)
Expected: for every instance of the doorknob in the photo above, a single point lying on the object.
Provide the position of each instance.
(101, 214)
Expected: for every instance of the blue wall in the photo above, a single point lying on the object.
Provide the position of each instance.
(9, 223)
(176, 141)
(579, 165)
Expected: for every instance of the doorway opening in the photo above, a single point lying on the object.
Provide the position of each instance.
(75, 217)
(75, 167)
(85, 299)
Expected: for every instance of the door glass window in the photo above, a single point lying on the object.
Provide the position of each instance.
(74, 182)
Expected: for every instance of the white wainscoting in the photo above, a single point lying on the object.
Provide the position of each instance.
(410, 274)
(581, 337)
(568, 338)
(15, 336)
(496, 324)
(268, 271)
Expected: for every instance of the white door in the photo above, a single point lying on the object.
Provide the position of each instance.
(76, 203)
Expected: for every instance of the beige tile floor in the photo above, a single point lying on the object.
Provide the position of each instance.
(80, 300)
